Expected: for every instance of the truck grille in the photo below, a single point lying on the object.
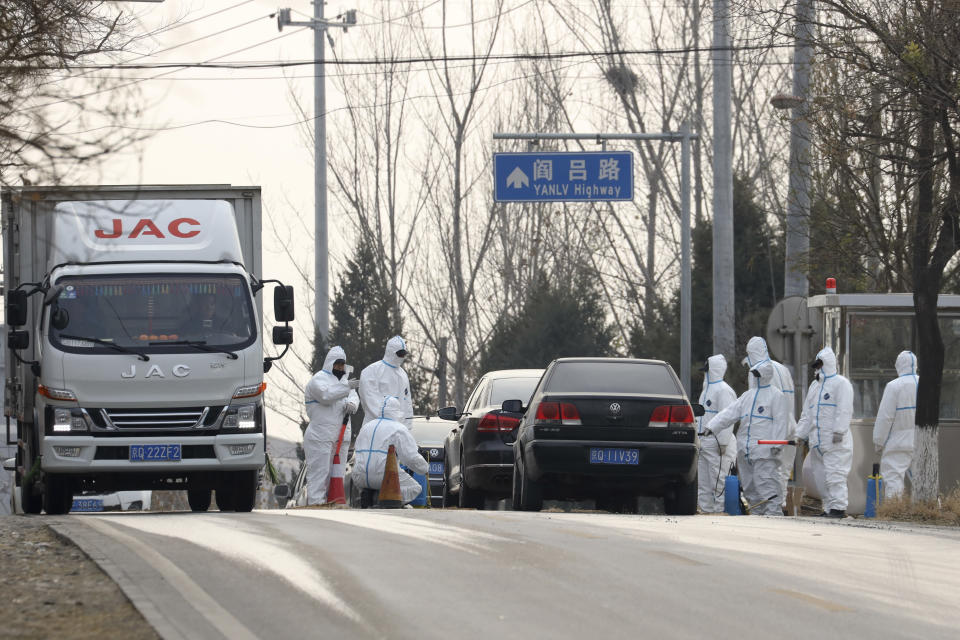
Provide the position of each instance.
(178, 418)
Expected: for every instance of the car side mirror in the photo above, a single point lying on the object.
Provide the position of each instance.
(283, 308)
(281, 491)
(698, 409)
(283, 335)
(18, 340)
(17, 308)
(449, 413)
(59, 318)
(512, 406)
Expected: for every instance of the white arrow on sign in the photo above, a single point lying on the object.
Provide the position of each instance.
(517, 179)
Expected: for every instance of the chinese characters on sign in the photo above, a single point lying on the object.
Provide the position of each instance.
(559, 176)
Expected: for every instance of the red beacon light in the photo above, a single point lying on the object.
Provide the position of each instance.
(831, 285)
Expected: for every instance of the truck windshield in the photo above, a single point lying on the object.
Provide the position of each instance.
(145, 312)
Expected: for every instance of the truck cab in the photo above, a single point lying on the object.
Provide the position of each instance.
(136, 331)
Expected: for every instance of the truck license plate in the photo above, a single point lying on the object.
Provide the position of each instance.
(154, 452)
(87, 504)
(610, 455)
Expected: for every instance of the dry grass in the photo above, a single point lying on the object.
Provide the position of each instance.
(945, 511)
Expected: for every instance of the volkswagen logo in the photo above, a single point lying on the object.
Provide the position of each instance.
(615, 408)
(434, 453)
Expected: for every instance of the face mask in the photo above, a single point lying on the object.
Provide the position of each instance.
(339, 373)
(402, 353)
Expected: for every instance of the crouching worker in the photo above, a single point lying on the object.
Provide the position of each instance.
(763, 416)
(373, 442)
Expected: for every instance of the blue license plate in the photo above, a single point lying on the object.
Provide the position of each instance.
(436, 468)
(605, 455)
(154, 452)
(87, 504)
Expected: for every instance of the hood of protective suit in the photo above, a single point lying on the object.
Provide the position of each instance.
(766, 372)
(757, 351)
(391, 409)
(394, 344)
(829, 359)
(906, 363)
(717, 367)
(336, 353)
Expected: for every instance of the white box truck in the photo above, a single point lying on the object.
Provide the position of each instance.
(135, 346)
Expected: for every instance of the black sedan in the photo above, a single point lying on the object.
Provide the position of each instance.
(610, 429)
(479, 460)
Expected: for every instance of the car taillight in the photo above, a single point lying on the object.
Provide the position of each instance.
(558, 413)
(496, 422)
(670, 415)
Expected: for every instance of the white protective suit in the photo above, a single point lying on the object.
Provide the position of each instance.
(373, 442)
(386, 378)
(757, 352)
(329, 400)
(717, 451)
(827, 409)
(762, 417)
(895, 427)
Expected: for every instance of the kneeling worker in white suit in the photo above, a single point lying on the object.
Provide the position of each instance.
(373, 442)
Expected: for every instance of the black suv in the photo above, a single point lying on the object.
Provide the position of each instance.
(611, 429)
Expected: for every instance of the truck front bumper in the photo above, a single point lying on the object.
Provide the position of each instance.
(87, 454)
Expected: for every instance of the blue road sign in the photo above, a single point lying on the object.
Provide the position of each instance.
(563, 177)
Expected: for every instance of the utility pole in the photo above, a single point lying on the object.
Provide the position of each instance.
(723, 298)
(321, 257)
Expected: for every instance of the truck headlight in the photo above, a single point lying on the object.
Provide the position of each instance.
(65, 421)
(241, 417)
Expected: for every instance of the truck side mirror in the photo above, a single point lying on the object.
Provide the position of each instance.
(52, 294)
(283, 303)
(18, 340)
(59, 318)
(283, 335)
(17, 308)
(449, 413)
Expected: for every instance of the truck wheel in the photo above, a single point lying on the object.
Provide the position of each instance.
(682, 501)
(57, 494)
(226, 494)
(531, 491)
(245, 490)
(31, 501)
(470, 498)
(199, 499)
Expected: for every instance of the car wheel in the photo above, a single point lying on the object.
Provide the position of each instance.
(470, 498)
(683, 500)
(57, 495)
(199, 499)
(531, 491)
(515, 490)
(449, 500)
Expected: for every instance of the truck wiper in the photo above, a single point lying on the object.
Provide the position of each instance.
(198, 344)
(108, 344)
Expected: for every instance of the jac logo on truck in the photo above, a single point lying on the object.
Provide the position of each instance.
(179, 228)
(179, 371)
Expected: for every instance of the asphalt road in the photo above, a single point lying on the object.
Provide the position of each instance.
(480, 575)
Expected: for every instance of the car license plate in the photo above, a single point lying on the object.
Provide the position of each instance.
(605, 455)
(436, 468)
(154, 452)
(87, 504)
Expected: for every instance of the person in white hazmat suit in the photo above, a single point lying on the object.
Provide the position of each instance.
(717, 451)
(387, 378)
(825, 424)
(757, 352)
(762, 417)
(373, 443)
(330, 397)
(895, 427)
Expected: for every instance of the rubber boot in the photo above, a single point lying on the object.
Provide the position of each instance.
(837, 513)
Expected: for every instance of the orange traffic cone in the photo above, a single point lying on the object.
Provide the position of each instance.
(335, 492)
(390, 496)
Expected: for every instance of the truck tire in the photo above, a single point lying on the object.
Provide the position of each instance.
(682, 501)
(226, 494)
(31, 501)
(245, 490)
(531, 491)
(199, 499)
(57, 494)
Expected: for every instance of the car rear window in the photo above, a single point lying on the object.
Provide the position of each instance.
(612, 377)
(512, 389)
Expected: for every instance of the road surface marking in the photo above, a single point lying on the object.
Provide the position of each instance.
(819, 602)
(228, 537)
(221, 619)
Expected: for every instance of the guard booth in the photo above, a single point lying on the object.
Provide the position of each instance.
(867, 331)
